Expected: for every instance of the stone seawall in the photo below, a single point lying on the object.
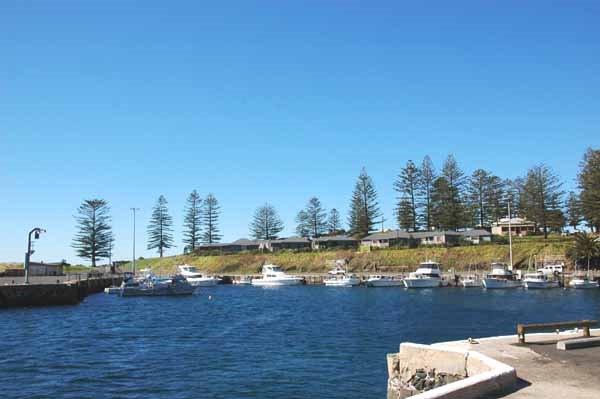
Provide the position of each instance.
(67, 293)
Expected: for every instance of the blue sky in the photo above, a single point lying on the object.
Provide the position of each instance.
(276, 101)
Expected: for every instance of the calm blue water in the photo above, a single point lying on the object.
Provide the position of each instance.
(250, 342)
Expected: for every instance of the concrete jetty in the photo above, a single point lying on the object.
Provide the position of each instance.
(49, 291)
(542, 370)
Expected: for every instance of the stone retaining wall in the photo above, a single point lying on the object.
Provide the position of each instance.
(483, 375)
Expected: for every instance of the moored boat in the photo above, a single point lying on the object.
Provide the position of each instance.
(470, 282)
(428, 275)
(346, 280)
(175, 286)
(582, 283)
(539, 281)
(195, 278)
(244, 280)
(273, 275)
(500, 277)
(384, 281)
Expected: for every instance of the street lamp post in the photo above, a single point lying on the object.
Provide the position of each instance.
(36, 232)
(134, 210)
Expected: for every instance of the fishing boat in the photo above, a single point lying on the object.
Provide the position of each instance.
(428, 275)
(346, 280)
(539, 280)
(470, 281)
(500, 277)
(273, 275)
(195, 278)
(174, 286)
(244, 280)
(384, 281)
(583, 283)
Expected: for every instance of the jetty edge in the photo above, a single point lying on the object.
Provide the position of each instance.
(46, 293)
(495, 367)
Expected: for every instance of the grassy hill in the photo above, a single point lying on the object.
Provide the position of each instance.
(383, 260)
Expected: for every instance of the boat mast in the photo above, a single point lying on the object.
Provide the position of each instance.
(510, 238)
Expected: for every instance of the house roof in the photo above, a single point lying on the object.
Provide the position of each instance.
(215, 245)
(513, 221)
(291, 240)
(335, 238)
(476, 233)
(386, 235)
(245, 241)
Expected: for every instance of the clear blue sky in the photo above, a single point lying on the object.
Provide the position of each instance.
(276, 101)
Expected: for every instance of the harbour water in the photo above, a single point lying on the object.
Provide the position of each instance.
(251, 342)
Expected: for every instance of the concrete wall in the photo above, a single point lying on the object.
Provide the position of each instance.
(483, 375)
(68, 293)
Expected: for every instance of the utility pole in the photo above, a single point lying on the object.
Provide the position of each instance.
(510, 237)
(37, 231)
(134, 210)
(382, 220)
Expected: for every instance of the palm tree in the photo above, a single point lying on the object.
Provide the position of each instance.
(585, 246)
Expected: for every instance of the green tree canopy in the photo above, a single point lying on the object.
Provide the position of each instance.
(94, 238)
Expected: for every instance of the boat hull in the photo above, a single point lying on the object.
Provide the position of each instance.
(385, 283)
(540, 285)
(583, 284)
(342, 283)
(493, 283)
(134, 291)
(202, 282)
(422, 282)
(470, 284)
(261, 282)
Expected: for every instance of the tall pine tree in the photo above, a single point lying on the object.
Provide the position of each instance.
(266, 224)
(210, 220)
(589, 184)
(574, 212)
(94, 238)
(407, 185)
(160, 228)
(425, 190)
(192, 222)
(542, 198)
(448, 197)
(312, 219)
(364, 208)
(334, 222)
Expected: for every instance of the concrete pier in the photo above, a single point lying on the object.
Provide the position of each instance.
(69, 292)
(543, 371)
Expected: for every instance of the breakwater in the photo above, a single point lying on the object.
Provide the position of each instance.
(69, 292)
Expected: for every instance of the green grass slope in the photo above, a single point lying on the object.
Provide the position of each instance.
(388, 260)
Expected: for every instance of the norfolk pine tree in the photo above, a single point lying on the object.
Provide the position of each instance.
(210, 220)
(94, 239)
(192, 222)
(266, 224)
(160, 228)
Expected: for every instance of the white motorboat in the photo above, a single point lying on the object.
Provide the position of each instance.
(195, 278)
(245, 280)
(470, 282)
(175, 286)
(428, 275)
(346, 280)
(582, 283)
(384, 281)
(539, 280)
(500, 277)
(273, 275)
